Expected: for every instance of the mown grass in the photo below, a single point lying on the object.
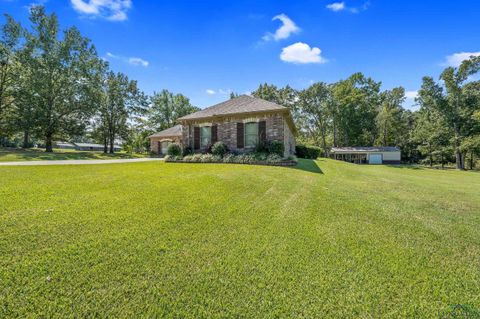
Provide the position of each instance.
(20, 155)
(326, 240)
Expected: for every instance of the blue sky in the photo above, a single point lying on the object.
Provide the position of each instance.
(205, 49)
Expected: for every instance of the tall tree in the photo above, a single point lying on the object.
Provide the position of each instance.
(61, 71)
(119, 98)
(389, 117)
(9, 46)
(314, 108)
(166, 108)
(355, 105)
(458, 110)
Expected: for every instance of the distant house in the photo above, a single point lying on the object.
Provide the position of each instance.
(241, 123)
(367, 155)
(64, 145)
(93, 147)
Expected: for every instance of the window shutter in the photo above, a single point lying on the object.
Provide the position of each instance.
(240, 135)
(196, 137)
(262, 132)
(214, 134)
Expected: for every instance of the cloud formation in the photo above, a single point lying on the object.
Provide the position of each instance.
(341, 6)
(287, 28)
(130, 60)
(113, 10)
(336, 6)
(457, 58)
(302, 53)
(219, 91)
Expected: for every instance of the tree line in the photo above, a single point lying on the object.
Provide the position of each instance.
(54, 86)
(356, 112)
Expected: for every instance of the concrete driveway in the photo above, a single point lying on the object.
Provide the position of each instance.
(79, 162)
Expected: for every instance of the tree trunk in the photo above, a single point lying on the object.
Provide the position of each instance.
(431, 159)
(48, 143)
(105, 145)
(458, 154)
(459, 159)
(26, 140)
(472, 155)
(112, 141)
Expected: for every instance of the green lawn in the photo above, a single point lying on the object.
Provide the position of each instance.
(14, 155)
(327, 240)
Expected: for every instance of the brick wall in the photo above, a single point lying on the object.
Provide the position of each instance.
(276, 129)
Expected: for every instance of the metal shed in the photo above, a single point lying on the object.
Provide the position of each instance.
(367, 155)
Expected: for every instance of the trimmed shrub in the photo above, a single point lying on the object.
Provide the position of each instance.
(261, 156)
(196, 158)
(187, 151)
(174, 149)
(219, 148)
(275, 147)
(292, 158)
(172, 158)
(274, 158)
(187, 158)
(229, 158)
(207, 158)
(310, 152)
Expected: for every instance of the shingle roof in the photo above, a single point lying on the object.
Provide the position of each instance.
(172, 131)
(241, 104)
(366, 149)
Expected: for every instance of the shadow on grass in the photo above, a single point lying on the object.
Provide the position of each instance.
(308, 165)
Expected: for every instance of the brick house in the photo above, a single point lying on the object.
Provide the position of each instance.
(241, 123)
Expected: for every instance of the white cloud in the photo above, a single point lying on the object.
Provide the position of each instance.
(411, 94)
(130, 60)
(301, 53)
(457, 58)
(114, 10)
(286, 29)
(138, 61)
(336, 6)
(219, 91)
(341, 6)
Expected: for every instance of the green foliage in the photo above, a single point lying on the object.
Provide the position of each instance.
(187, 150)
(219, 148)
(174, 149)
(166, 108)
(305, 151)
(275, 147)
(173, 158)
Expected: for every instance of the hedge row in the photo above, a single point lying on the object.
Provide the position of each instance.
(310, 152)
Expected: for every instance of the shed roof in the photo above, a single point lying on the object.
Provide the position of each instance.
(357, 149)
(94, 145)
(238, 105)
(172, 131)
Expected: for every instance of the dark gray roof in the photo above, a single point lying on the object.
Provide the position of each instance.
(366, 149)
(172, 131)
(241, 104)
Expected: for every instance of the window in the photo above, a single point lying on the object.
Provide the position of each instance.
(251, 134)
(205, 136)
